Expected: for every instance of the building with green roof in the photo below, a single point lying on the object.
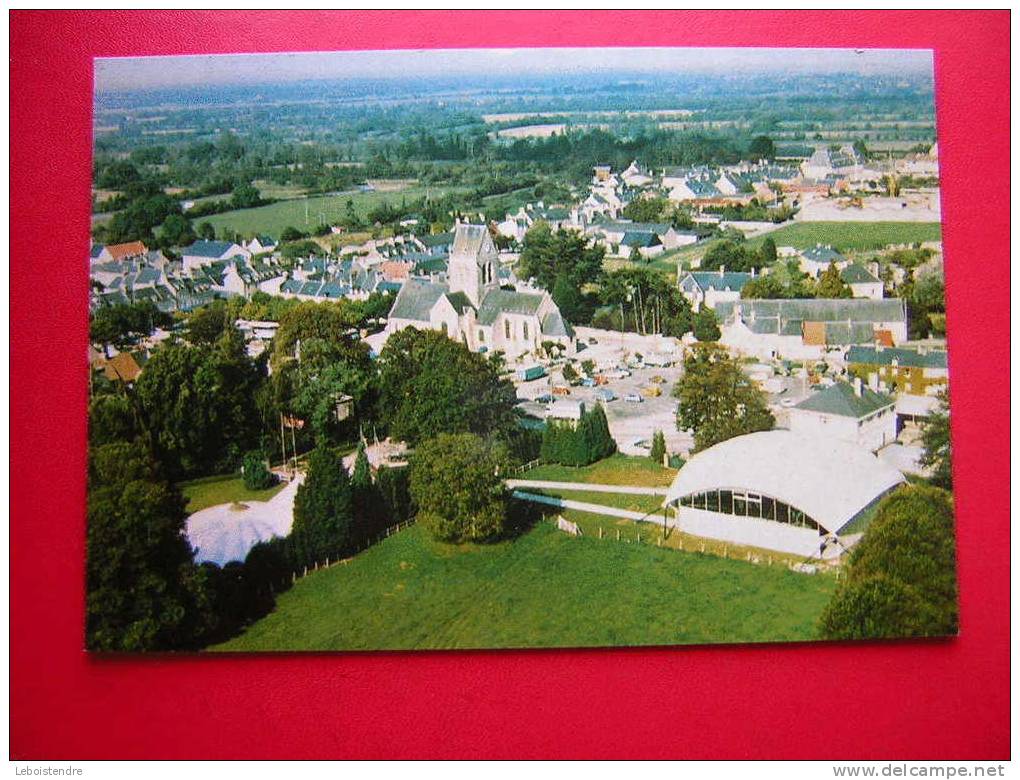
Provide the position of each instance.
(849, 412)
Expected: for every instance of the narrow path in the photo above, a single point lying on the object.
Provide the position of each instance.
(592, 487)
(595, 509)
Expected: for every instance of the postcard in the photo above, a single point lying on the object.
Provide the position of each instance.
(517, 348)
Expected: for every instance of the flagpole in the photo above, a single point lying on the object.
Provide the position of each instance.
(283, 442)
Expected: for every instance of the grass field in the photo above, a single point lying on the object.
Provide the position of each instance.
(849, 236)
(544, 589)
(272, 219)
(632, 503)
(615, 470)
(210, 491)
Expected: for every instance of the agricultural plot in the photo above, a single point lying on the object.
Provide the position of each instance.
(307, 213)
(850, 236)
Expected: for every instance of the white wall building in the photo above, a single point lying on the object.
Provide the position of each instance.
(848, 412)
(779, 490)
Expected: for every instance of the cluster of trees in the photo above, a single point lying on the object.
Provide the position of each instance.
(901, 577)
(787, 281)
(717, 400)
(124, 325)
(733, 254)
(642, 300)
(565, 263)
(578, 444)
(431, 384)
(202, 406)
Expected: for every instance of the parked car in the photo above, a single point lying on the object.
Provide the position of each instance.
(588, 382)
(546, 398)
(633, 398)
(605, 394)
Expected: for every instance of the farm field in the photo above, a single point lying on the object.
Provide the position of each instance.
(544, 589)
(849, 236)
(272, 219)
(210, 491)
(615, 470)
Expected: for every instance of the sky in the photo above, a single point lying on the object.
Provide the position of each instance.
(130, 73)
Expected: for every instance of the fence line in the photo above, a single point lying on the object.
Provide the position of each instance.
(330, 563)
(712, 548)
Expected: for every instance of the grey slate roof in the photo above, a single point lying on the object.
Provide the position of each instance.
(720, 280)
(658, 228)
(213, 249)
(819, 309)
(459, 301)
(553, 324)
(507, 301)
(911, 358)
(823, 254)
(416, 299)
(857, 274)
(639, 239)
(840, 399)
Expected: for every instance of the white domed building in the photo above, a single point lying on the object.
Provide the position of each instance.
(780, 491)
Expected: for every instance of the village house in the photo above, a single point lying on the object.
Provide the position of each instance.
(261, 244)
(862, 282)
(816, 260)
(710, 288)
(914, 371)
(471, 307)
(849, 412)
(205, 252)
(117, 253)
(806, 329)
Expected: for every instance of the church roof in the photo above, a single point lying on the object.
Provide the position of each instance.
(459, 301)
(553, 324)
(416, 299)
(509, 302)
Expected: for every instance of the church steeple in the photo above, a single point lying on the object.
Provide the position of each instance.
(473, 263)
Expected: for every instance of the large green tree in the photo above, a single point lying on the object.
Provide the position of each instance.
(143, 591)
(762, 148)
(123, 325)
(457, 485)
(901, 577)
(323, 508)
(717, 400)
(547, 255)
(430, 384)
(646, 209)
(198, 403)
(831, 284)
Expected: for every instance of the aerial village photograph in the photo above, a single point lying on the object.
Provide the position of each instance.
(516, 348)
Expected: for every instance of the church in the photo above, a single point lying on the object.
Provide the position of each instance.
(471, 307)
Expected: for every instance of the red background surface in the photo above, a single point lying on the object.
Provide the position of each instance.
(941, 699)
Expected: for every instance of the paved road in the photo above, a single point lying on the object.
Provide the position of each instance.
(595, 509)
(630, 490)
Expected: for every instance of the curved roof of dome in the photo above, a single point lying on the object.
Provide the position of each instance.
(829, 480)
